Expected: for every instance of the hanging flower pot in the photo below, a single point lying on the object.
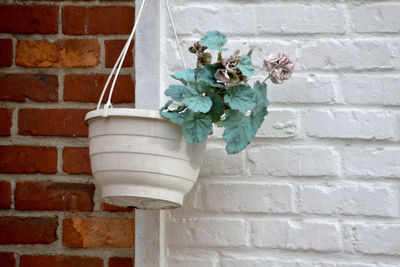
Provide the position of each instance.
(140, 159)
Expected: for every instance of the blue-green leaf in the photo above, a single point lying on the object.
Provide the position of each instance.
(214, 40)
(260, 96)
(246, 66)
(256, 120)
(238, 131)
(174, 117)
(197, 103)
(240, 98)
(196, 127)
(176, 92)
(217, 104)
(206, 75)
(186, 76)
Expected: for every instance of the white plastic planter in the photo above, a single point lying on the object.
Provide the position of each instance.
(140, 159)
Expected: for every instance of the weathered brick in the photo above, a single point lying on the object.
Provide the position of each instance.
(36, 87)
(28, 230)
(349, 200)
(5, 121)
(351, 124)
(319, 18)
(99, 18)
(371, 89)
(59, 261)
(373, 238)
(6, 52)
(76, 160)
(28, 19)
(7, 259)
(61, 53)
(28, 159)
(88, 88)
(279, 124)
(54, 196)
(113, 50)
(108, 207)
(52, 122)
(207, 232)
(293, 161)
(98, 233)
(5, 195)
(120, 262)
(376, 17)
(215, 156)
(305, 89)
(249, 197)
(354, 54)
(294, 235)
(371, 162)
(74, 20)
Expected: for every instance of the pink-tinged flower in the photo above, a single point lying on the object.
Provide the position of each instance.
(221, 75)
(276, 61)
(281, 74)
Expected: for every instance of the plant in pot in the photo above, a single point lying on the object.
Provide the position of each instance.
(219, 93)
(140, 159)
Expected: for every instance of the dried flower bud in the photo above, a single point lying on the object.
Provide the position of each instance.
(192, 50)
(221, 75)
(282, 74)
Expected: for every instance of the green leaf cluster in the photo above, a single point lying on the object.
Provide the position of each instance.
(202, 99)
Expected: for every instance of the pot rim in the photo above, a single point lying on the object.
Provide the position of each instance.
(124, 112)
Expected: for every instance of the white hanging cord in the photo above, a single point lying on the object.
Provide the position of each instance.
(119, 63)
(176, 35)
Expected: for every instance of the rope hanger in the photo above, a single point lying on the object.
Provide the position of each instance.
(118, 64)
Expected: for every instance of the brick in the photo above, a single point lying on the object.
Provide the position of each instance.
(305, 89)
(293, 161)
(6, 52)
(5, 121)
(28, 19)
(98, 233)
(371, 162)
(371, 89)
(54, 196)
(295, 18)
(7, 259)
(59, 261)
(206, 232)
(357, 54)
(52, 122)
(120, 262)
(313, 236)
(5, 195)
(351, 124)
(108, 207)
(113, 49)
(378, 17)
(88, 88)
(215, 156)
(28, 230)
(194, 19)
(246, 197)
(293, 235)
(76, 160)
(372, 238)
(269, 233)
(179, 262)
(36, 87)
(110, 19)
(28, 159)
(74, 19)
(349, 200)
(61, 53)
(279, 124)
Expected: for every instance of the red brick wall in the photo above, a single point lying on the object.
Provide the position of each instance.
(54, 60)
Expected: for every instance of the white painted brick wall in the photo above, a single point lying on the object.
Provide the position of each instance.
(319, 187)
